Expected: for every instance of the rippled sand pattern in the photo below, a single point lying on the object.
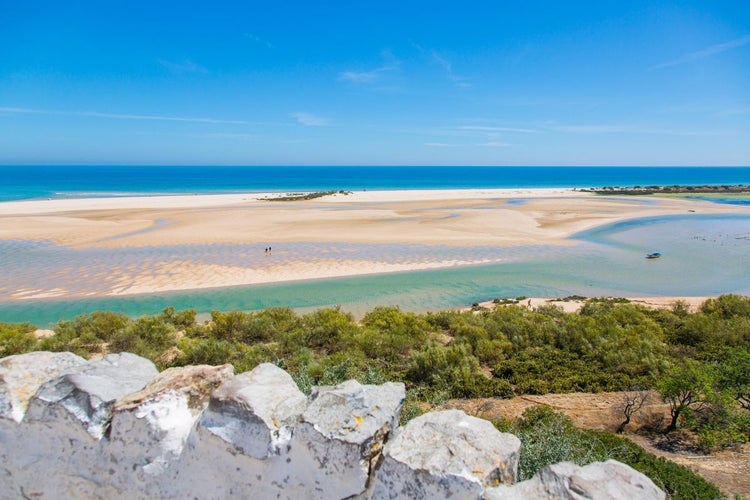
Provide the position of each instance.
(33, 270)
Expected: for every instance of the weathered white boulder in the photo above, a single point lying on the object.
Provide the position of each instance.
(446, 454)
(256, 411)
(57, 450)
(149, 428)
(613, 480)
(342, 433)
(87, 433)
(22, 375)
(610, 480)
(85, 393)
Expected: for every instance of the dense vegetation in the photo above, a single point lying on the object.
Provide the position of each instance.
(304, 196)
(643, 190)
(699, 362)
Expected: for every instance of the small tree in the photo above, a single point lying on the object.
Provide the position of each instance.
(734, 375)
(632, 402)
(686, 389)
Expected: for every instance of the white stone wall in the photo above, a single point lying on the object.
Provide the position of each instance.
(115, 428)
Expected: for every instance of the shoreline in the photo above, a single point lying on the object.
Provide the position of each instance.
(570, 305)
(199, 200)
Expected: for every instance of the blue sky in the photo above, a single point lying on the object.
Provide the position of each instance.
(375, 83)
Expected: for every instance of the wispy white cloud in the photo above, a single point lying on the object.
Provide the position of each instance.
(483, 128)
(706, 52)
(362, 76)
(448, 68)
(466, 136)
(494, 144)
(309, 119)
(436, 58)
(119, 116)
(122, 116)
(218, 135)
(25, 111)
(182, 67)
(390, 64)
(593, 129)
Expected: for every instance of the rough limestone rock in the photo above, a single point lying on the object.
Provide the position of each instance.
(93, 431)
(57, 449)
(150, 427)
(256, 411)
(86, 393)
(610, 480)
(446, 454)
(342, 433)
(22, 375)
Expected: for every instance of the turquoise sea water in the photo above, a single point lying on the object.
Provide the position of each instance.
(24, 182)
(703, 255)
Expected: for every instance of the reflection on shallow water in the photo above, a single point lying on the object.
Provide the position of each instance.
(702, 255)
(730, 199)
(35, 269)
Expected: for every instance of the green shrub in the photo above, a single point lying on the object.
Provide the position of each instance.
(549, 437)
(237, 326)
(245, 357)
(181, 320)
(147, 336)
(443, 367)
(329, 330)
(727, 306)
(16, 338)
(102, 324)
(67, 338)
(411, 408)
(304, 380)
(392, 319)
(479, 386)
(204, 352)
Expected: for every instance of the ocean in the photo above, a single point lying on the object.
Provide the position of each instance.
(707, 255)
(30, 182)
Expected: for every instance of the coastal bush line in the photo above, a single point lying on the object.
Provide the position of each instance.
(675, 189)
(304, 196)
(698, 361)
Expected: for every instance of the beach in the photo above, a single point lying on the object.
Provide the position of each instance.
(341, 234)
(574, 304)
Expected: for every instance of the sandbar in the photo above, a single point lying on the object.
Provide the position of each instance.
(454, 218)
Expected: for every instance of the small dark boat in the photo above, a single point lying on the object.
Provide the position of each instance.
(654, 255)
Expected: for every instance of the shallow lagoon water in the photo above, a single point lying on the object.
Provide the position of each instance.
(702, 255)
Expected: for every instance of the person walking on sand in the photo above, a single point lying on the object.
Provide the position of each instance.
(529, 304)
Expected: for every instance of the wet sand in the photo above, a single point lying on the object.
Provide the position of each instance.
(195, 242)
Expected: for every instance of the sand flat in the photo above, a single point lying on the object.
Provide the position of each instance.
(460, 217)
(494, 218)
